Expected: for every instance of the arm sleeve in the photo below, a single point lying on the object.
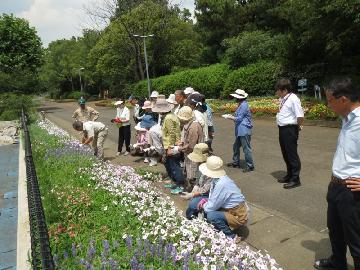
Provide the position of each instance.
(241, 114)
(298, 110)
(95, 114)
(89, 130)
(216, 200)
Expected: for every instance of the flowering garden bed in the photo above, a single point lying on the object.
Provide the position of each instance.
(104, 216)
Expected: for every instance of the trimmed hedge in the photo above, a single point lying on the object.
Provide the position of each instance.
(207, 80)
(257, 79)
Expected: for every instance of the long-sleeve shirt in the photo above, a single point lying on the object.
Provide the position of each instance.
(192, 135)
(209, 115)
(88, 114)
(170, 130)
(203, 184)
(201, 118)
(124, 115)
(155, 138)
(224, 193)
(346, 161)
(91, 128)
(243, 120)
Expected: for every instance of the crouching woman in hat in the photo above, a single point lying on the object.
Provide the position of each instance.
(226, 208)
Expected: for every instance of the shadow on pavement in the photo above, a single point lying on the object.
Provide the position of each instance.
(278, 174)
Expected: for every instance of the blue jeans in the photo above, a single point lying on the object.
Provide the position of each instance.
(174, 170)
(244, 142)
(192, 211)
(217, 218)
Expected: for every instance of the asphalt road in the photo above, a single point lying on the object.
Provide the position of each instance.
(305, 205)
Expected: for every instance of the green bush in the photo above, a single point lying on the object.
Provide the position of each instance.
(257, 79)
(11, 105)
(322, 112)
(75, 95)
(207, 80)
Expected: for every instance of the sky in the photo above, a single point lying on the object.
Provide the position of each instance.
(57, 19)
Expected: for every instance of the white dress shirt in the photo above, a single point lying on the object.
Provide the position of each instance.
(289, 111)
(124, 115)
(346, 161)
(92, 128)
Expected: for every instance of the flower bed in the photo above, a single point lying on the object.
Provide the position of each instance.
(104, 216)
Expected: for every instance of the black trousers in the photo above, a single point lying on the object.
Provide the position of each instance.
(343, 221)
(124, 136)
(288, 137)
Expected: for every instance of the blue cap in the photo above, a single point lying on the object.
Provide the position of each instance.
(147, 121)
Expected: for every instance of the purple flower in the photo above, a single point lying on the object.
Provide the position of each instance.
(106, 247)
(185, 266)
(134, 263)
(141, 267)
(91, 252)
(113, 264)
(73, 249)
(128, 241)
(66, 255)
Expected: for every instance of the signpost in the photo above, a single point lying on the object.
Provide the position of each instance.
(302, 85)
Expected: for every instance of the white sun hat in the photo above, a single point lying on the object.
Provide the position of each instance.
(239, 94)
(154, 94)
(186, 113)
(139, 128)
(188, 90)
(213, 167)
(200, 153)
(171, 99)
(118, 102)
(147, 105)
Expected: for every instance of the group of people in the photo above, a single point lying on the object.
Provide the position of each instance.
(179, 130)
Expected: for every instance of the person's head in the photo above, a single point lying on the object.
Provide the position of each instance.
(147, 106)
(188, 91)
(283, 87)
(154, 95)
(342, 95)
(82, 102)
(139, 129)
(200, 153)
(161, 106)
(180, 97)
(133, 100)
(120, 104)
(240, 95)
(147, 122)
(78, 125)
(195, 101)
(186, 114)
(213, 167)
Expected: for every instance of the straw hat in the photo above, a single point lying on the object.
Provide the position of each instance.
(147, 105)
(239, 94)
(162, 106)
(171, 99)
(154, 94)
(186, 113)
(119, 102)
(200, 153)
(213, 167)
(139, 128)
(188, 90)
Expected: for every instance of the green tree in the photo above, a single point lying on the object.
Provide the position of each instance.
(20, 55)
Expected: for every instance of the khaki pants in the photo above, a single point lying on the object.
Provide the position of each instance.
(98, 143)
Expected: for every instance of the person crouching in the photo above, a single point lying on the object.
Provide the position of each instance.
(226, 208)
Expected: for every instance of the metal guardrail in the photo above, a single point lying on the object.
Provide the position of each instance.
(41, 257)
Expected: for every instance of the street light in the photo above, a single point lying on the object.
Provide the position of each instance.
(81, 87)
(146, 62)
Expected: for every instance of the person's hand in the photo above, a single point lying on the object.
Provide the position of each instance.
(135, 145)
(112, 120)
(200, 205)
(353, 184)
(300, 127)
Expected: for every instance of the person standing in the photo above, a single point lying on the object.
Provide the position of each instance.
(180, 98)
(94, 133)
(123, 116)
(289, 119)
(243, 130)
(343, 196)
(85, 113)
(134, 101)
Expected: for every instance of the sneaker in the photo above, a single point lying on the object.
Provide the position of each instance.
(153, 162)
(233, 164)
(170, 185)
(246, 170)
(237, 239)
(177, 190)
(126, 153)
(118, 154)
(146, 160)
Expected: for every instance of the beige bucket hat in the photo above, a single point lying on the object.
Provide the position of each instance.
(186, 113)
(161, 105)
(119, 102)
(213, 167)
(147, 105)
(171, 99)
(200, 153)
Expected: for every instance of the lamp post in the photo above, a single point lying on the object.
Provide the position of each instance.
(146, 62)
(81, 86)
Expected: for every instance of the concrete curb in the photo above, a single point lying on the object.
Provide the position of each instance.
(23, 226)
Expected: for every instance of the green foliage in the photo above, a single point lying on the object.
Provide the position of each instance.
(251, 47)
(256, 79)
(11, 106)
(20, 55)
(322, 112)
(75, 95)
(207, 80)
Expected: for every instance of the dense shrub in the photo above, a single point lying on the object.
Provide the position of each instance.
(75, 95)
(11, 105)
(257, 79)
(321, 111)
(207, 80)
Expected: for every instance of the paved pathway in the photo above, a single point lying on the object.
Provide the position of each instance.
(290, 224)
(9, 156)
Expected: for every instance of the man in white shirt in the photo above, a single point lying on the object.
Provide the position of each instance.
(95, 133)
(289, 119)
(343, 197)
(123, 119)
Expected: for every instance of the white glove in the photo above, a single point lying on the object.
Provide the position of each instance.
(175, 150)
(152, 148)
(195, 189)
(147, 149)
(135, 145)
(186, 196)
